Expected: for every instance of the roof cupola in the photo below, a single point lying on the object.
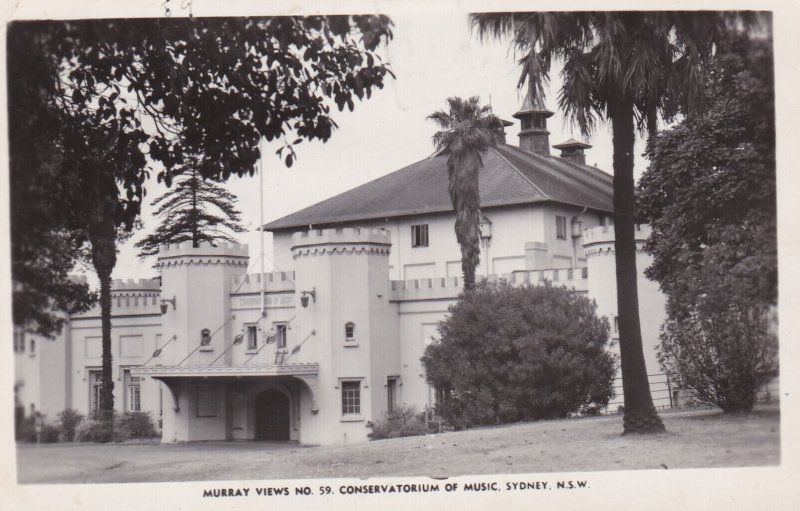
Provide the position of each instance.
(533, 116)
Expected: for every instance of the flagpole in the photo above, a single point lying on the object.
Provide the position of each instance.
(261, 223)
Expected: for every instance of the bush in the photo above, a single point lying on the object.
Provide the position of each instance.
(402, 422)
(724, 349)
(136, 425)
(27, 431)
(128, 426)
(68, 421)
(519, 353)
(91, 430)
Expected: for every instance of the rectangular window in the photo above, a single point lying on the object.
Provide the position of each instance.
(561, 227)
(95, 384)
(351, 397)
(252, 337)
(419, 235)
(33, 347)
(19, 341)
(391, 390)
(280, 333)
(133, 392)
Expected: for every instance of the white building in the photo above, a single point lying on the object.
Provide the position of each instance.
(372, 272)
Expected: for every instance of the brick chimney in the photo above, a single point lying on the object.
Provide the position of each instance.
(500, 131)
(572, 150)
(533, 116)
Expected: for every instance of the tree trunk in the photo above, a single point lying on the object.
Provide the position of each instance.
(640, 414)
(467, 268)
(104, 258)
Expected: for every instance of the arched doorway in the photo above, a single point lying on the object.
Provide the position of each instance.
(272, 416)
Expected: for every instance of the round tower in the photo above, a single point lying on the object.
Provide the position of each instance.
(533, 135)
(598, 244)
(195, 301)
(342, 289)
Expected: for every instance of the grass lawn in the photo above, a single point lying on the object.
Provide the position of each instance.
(695, 439)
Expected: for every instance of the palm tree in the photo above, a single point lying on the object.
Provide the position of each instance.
(466, 130)
(625, 68)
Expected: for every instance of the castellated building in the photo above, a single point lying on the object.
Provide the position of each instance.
(368, 274)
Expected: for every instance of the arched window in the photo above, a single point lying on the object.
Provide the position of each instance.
(350, 332)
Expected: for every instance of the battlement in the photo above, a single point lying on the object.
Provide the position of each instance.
(450, 287)
(342, 235)
(119, 286)
(205, 249)
(605, 234)
(274, 281)
(425, 289)
(128, 303)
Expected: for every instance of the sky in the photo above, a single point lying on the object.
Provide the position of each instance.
(433, 58)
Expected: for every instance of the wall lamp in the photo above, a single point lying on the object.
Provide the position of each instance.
(305, 294)
(165, 301)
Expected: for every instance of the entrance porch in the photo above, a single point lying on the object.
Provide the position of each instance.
(270, 402)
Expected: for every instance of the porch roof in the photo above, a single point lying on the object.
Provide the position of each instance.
(226, 371)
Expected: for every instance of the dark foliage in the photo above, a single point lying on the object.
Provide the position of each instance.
(401, 422)
(710, 196)
(136, 425)
(193, 210)
(27, 431)
(520, 353)
(68, 422)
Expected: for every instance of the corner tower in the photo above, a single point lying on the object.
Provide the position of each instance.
(195, 298)
(344, 276)
(533, 117)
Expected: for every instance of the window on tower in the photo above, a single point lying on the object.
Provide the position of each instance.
(351, 397)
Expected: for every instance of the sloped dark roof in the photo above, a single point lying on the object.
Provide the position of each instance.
(509, 176)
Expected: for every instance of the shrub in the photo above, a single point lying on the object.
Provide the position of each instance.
(724, 349)
(129, 425)
(519, 353)
(136, 425)
(68, 421)
(27, 431)
(404, 421)
(91, 430)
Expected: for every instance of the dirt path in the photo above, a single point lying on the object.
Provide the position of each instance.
(698, 438)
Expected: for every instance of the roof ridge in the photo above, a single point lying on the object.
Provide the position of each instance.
(592, 174)
(522, 174)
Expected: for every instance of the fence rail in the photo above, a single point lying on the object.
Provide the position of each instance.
(666, 394)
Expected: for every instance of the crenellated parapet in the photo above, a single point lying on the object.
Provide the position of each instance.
(572, 278)
(450, 287)
(279, 281)
(441, 288)
(350, 240)
(133, 287)
(178, 254)
(600, 240)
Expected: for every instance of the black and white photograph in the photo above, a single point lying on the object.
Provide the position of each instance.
(392, 254)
